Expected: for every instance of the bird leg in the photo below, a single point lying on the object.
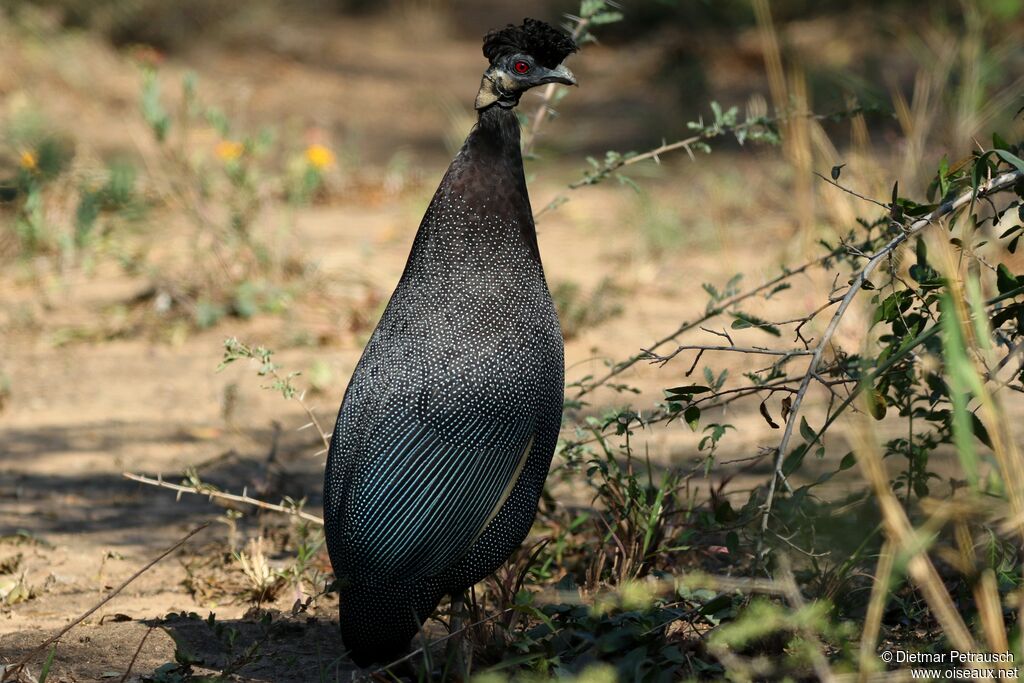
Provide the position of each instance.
(458, 651)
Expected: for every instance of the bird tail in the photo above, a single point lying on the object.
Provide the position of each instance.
(379, 622)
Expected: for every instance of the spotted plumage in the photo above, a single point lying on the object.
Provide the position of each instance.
(447, 428)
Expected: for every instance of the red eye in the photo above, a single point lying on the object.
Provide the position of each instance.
(521, 67)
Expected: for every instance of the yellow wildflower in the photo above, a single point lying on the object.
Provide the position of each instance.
(319, 157)
(229, 150)
(29, 161)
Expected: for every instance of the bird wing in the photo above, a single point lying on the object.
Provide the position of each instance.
(421, 499)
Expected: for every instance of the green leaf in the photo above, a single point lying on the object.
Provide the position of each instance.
(47, 665)
(1011, 159)
(742, 321)
(794, 459)
(962, 378)
(716, 604)
(692, 417)
(806, 431)
(848, 461)
(689, 389)
(892, 306)
(1005, 280)
(980, 431)
(876, 404)
(943, 178)
(1016, 228)
(606, 18)
(921, 251)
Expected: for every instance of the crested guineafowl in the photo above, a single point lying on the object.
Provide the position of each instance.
(448, 425)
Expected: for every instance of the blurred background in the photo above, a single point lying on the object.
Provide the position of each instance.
(172, 174)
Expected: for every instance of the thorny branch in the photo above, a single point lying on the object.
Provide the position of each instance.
(711, 312)
(1001, 182)
(786, 353)
(764, 124)
(210, 492)
(235, 350)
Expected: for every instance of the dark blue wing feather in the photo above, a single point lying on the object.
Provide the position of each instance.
(419, 500)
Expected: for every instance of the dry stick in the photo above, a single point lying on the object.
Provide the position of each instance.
(687, 144)
(723, 584)
(136, 655)
(996, 184)
(110, 596)
(313, 422)
(225, 496)
(707, 134)
(990, 609)
(1017, 520)
(655, 358)
(735, 394)
(708, 315)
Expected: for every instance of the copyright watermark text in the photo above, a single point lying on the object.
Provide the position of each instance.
(953, 665)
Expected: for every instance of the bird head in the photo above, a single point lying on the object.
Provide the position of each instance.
(523, 57)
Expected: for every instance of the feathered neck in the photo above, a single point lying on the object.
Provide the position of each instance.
(497, 128)
(487, 178)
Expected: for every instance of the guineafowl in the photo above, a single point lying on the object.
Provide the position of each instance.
(447, 428)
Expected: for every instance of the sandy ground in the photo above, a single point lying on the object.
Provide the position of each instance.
(81, 413)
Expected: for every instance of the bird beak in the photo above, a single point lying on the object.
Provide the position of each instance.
(559, 74)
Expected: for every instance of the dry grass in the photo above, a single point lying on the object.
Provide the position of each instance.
(656, 547)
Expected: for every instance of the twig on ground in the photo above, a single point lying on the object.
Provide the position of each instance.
(214, 493)
(135, 656)
(60, 634)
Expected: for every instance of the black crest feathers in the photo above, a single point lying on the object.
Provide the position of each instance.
(542, 41)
